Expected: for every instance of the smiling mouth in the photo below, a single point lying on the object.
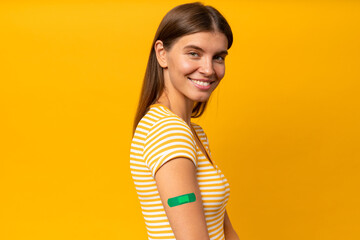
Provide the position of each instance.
(201, 83)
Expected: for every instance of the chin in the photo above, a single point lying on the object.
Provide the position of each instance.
(201, 99)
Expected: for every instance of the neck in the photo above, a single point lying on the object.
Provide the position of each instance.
(183, 109)
(176, 101)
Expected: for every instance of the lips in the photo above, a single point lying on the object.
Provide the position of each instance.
(201, 84)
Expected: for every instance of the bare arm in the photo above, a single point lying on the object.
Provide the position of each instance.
(175, 178)
(230, 233)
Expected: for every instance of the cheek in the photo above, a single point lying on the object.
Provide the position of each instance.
(220, 71)
(186, 66)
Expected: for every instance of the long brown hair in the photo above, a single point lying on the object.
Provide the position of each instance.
(182, 20)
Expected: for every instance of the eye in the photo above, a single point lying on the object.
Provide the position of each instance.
(193, 54)
(219, 58)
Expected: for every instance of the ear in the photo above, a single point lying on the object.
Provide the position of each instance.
(160, 53)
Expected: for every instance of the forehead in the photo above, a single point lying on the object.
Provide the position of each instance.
(211, 41)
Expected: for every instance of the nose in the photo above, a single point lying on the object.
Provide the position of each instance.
(207, 67)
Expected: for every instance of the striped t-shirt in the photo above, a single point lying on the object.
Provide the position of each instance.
(159, 137)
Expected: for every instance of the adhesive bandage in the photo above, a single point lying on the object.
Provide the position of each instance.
(182, 199)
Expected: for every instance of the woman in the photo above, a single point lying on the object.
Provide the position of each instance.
(181, 199)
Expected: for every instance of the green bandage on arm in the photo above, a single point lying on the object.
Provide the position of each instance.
(182, 199)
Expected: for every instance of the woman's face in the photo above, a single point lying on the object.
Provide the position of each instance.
(194, 65)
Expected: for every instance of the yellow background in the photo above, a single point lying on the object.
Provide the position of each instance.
(283, 125)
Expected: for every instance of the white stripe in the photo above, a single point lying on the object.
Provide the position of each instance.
(136, 162)
(139, 135)
(158, 229)
(155, 219)
(136, 145)
(143, 124)
(141, 173)
(151, 203)
(149, 178)
(136, 151)
(152, 213)
(213, 192)
(210, 182)
(138, 140)
(136, 157)
(144, 188)
(213, 198)
(147, 193)
(138, 168)
(207, 172)
(155, 112)
(204, 168)
(148, 198)
(211, 177)
(152, 117)
(141, 129)
(147, 121)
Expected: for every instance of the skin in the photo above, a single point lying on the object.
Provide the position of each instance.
(197, 56)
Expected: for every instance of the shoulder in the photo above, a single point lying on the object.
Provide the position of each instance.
(155, 119)
(161, 120)
(169, 137)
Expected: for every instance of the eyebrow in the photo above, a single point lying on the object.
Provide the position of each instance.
(225, 52)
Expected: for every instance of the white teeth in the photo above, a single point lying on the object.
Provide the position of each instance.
(205, 84)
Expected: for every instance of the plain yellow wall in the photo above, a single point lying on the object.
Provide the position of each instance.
(283, 125)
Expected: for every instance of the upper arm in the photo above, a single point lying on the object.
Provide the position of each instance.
(170, 155)
(175, 178)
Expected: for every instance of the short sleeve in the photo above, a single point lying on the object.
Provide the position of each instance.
(169, 138)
